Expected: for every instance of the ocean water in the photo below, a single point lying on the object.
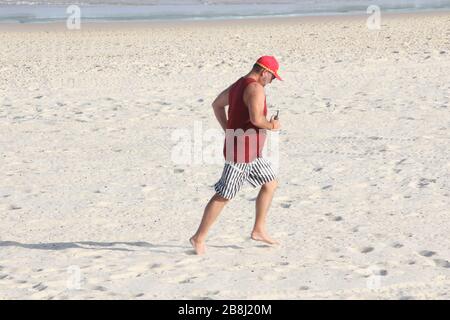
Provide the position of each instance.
(135, 10)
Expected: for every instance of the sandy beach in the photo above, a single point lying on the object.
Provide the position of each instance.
(93, 204)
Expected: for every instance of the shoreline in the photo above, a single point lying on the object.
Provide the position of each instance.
(136, 24)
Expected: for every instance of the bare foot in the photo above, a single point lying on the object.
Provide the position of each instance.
(262, 236)
(199, 247)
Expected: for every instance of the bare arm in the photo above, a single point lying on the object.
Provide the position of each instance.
(254, 99)
(219, 105)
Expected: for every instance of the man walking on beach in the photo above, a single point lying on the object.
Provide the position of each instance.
(245, 135)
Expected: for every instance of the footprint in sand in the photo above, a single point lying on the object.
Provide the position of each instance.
(396, 245)
(425, 182)
(427, 253)
(100, 288)
(303, 288)
(285, 202)
(442, 263)
(377, 272)
(366, 249)
(21, 281)
(212, 293)
(40, 287)
(188, 280)
(333, 218)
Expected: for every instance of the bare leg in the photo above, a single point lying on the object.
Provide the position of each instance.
(263, 202)
(212, 211)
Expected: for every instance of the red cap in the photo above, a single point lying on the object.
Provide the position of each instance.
(270, 64)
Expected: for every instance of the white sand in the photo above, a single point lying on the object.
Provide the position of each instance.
(88, 188)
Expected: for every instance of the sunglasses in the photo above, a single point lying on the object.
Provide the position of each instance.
(273, 77)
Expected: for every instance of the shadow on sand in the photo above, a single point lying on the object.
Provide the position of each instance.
(88, 245)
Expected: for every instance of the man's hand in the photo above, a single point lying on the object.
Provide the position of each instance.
(275, 124)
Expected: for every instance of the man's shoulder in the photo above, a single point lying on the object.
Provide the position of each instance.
(254, 88)
(253, 92)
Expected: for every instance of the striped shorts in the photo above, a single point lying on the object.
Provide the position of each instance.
(257, 173)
